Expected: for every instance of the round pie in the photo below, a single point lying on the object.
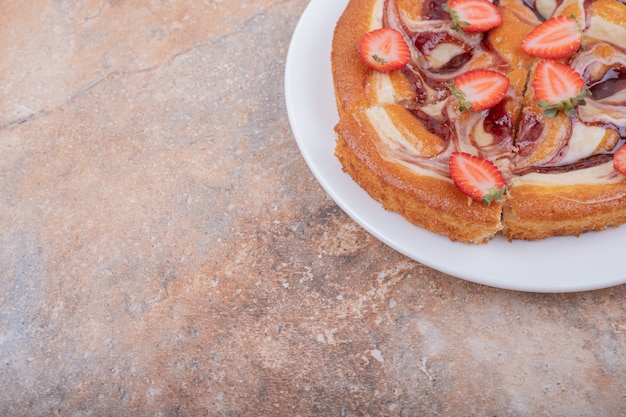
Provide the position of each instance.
(400, 131)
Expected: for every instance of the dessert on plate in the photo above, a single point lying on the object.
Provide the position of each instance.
(472, 118)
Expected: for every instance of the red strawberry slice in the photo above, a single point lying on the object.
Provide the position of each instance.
(479, 89)
(384, 50)
(619, 160)
(477, 177)
(557, 86)
(473, 15)
(557, 37)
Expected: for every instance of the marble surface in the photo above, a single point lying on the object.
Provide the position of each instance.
(165, 250)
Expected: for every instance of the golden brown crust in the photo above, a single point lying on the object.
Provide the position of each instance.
(426, 201)
(349, 73)
(505, 38)
(535, 212)
(610, 10)
(427, 197)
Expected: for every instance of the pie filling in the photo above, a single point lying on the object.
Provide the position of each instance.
(513, 134)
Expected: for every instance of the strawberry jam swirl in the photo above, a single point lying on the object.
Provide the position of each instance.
(509, 132)
(439, 55)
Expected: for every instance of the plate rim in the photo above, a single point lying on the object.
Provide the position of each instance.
(306, 78)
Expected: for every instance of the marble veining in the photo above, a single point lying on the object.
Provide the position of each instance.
(165, 251)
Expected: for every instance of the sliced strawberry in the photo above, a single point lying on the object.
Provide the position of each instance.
(384, 50)
(557, 37)
(477, 177)
(557, 86)
(479, 89)
(473, 15)
(619, 160)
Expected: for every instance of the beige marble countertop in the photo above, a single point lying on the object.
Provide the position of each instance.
(165, 250)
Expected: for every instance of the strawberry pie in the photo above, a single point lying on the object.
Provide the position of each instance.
(473, 118)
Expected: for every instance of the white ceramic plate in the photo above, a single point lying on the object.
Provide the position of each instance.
(560, 264)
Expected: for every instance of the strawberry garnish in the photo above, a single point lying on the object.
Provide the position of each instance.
(557, 37)
(557, 86)
(479, 89)
(384, 50)
(619, 160)
(473, 15)
(477, 177)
